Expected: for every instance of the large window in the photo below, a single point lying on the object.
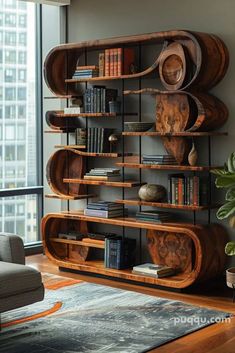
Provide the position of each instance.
(20, 150)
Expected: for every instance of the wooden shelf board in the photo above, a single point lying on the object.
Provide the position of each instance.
(131, 222)
(97, 266)
(77, 242)
(125, 184)
(175, 134)
(100, 78)
(79, 147)
(61, 97)
(58, 131)
(94, 154)
(135, 202)
(167, 167)
(68, 197)
(61, 114)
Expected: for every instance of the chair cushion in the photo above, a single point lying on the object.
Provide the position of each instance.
(16, 279)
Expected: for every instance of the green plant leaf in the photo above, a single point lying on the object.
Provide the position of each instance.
(230, 194)
(231, 163)
(220, 172)
(226, 210)
(230, 248)
(225, 181)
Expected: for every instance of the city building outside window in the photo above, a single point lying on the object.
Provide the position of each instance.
(20, 167)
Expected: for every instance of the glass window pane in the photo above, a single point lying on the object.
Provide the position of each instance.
(17, 94)
(17, 215)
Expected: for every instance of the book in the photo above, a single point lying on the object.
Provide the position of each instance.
(116, 207)
(120, 252)
(71, 236)
(101, 64)
(88, 67)
(102, 178)
(119, 61)
(126, 61)
(154, 270)
(111, 62)
(107, 62)
(102, 213)
(72, 110)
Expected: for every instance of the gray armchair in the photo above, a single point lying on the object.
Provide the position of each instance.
(20, 285)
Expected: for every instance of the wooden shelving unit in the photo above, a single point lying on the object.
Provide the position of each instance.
(197, 114)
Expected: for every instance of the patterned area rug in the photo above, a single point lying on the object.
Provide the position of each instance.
(81, 317)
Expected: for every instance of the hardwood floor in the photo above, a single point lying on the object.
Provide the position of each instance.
(217, 338)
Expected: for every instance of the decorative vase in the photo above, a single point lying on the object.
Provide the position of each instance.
(230, 277)
(193, 156)
(152, 192)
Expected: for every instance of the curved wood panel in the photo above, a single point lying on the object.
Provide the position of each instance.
(208, 242)
(65, 164)
(205, 50)
(61, 123)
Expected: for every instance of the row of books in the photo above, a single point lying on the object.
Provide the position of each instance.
(160, 159)
(97, 98)
(117, 62)
(154, 216)
(119, 252)
(190, 190)
(97, 139)
(86, 72)
(104, 209)
(104, 174)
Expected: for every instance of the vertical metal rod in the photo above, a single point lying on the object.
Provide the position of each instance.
(87, 125)
(209, 180)
(140, 146)
(123, 144)
(67, 101)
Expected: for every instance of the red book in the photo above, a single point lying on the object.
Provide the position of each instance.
(119, 61)
(128, 60)
(107, 62)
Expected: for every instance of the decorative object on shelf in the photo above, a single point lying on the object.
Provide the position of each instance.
(152, 192)
(171, 249)
(193, 156)
(114, 106)
(138, 126)
(103, 174)
(154, 270)
(113, 141)
(173, 66)
(81, 136)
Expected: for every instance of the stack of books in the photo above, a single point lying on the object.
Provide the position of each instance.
(86, 72)
(104, 174)
(97, 139)
(117, 61)
(160, 159)
(97, 98)
(190, 190)
(104, 209)
(119, 252)
(152, 270)
(154, 216)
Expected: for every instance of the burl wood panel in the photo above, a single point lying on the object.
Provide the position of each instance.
(171, 249)
(65, 164)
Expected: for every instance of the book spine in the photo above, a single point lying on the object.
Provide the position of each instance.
(169, 190)
(129, 59)
(173, 191)
(102, 100)
(196, 191)
(106, 254)
(102, 140)
(190, 190)
(111, 62)
(98, 100)
(119, 61)
(101, 64)
(115, 62)
(95, 99)
(181, 191)
(89, 140)
(107, 57)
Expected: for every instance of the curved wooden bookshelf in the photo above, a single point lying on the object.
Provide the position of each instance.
(137, 202)
(167, 167)
(202, 61)
(68, 197)
(207, 240)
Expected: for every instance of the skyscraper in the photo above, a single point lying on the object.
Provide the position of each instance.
(17, 116)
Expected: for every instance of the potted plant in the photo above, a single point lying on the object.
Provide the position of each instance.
(225, 178)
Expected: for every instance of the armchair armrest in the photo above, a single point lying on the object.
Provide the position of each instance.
(11, 249)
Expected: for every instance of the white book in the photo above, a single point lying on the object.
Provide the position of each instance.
(150, 268)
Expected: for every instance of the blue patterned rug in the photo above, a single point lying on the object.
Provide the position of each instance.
(91, 318)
